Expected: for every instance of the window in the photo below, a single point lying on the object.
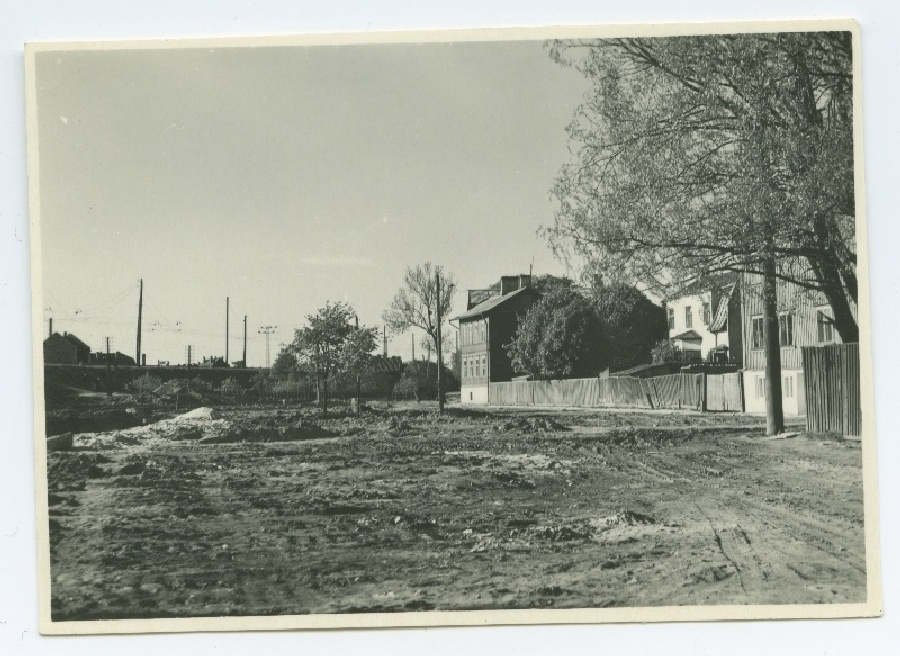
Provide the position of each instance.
(788, 387)
(704, 312)
(671, 315)
(824, 326)
(786, 330)
(760, 386)
(756, 337)
(688, 319)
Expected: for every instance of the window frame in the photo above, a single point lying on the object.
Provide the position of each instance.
(688, 317)
(786, 319)
(670, 316)
(822, 327)
(760, 344)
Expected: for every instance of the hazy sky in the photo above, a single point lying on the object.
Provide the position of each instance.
(287, 177)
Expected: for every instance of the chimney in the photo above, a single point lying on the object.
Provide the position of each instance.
(508, 284)
(477, 296)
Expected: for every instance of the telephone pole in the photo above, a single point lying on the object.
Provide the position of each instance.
(384, 340)
(267, 330)
(244, 361)
(440, 358)
(227, 312)
(358, 386)
(108, 382)
(137, 359)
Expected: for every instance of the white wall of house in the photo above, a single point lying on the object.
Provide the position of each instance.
(793, 396)
(474, 394)
(700, 320)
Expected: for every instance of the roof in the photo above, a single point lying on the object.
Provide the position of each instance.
(69, 337)
(485, 307)
(689, 336)
(704, 284)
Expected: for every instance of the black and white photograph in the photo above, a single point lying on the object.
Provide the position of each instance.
(549, 325)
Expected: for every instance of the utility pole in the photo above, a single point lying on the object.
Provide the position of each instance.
(383, 340)
(244, 361)
(267, 330)
(108, 382)
(358, 386)
(227, 323)
(51, 327)
(440, 358)
(189, 361)
(774, 412)
(412, 340)
(137, 359)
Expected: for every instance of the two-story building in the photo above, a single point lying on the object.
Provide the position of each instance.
(705, 320)
(804, 319)
(487, 326)
(65, 349)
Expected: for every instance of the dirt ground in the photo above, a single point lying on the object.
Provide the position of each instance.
(277, 512)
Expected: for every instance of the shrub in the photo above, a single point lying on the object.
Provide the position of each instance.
(144, 384)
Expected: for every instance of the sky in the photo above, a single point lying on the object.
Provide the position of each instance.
(283, 178)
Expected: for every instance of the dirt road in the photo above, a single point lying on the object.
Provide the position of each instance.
(407, 511)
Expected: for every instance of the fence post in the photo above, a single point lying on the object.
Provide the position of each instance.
(703, 391)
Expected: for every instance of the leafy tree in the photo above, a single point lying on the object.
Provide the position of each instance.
(332, 345)
(630, 324)
(558, 338)
(285, 365)
(415, 304)
(695, 155)
(664, 351)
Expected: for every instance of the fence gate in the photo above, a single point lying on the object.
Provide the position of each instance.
(831, 381)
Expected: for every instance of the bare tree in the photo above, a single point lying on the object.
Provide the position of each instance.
(415, 304)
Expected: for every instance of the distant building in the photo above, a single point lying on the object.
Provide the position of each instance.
(65, 349)
(117, 359)
(704, 320)
(487, 326)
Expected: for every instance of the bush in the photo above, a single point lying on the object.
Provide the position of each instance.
(406, 388)
(230, 387)
(665, 351)
(144, 385)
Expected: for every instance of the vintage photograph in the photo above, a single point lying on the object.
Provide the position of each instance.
(499, 326)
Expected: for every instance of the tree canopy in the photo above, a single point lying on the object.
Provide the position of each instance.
(630, 325)
(558, 338)
(696, 155)
(332, 345)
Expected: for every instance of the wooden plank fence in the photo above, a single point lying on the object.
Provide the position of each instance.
(672, 391)
(831, 381)
(725, 392)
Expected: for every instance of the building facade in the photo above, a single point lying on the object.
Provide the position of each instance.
(804, 319)
(65, 349)
(705, 321)
(487, 326)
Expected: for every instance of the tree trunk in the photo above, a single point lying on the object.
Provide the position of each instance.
(324, 397)
(835, 292)
(774, 412)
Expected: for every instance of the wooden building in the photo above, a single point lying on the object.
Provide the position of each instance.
(804, 319)
(487, 326)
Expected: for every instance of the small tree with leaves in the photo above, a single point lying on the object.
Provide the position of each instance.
(415, 304)
(332, 345)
